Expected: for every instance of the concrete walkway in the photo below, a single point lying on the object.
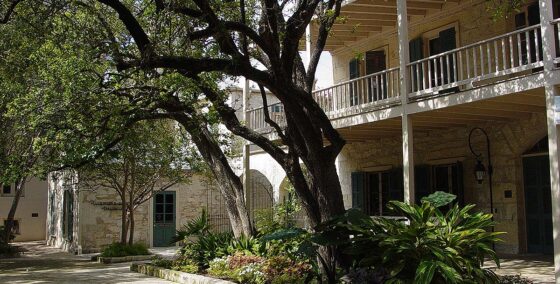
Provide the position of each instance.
(43, 264)
(538, 268)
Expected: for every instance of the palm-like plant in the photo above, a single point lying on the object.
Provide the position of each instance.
(196, 227)
(429, 247)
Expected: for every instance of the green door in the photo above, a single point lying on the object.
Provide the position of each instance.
(164, 218)
(538, 206)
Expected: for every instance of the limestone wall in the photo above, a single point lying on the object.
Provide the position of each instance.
(100, 224)
(508, 140)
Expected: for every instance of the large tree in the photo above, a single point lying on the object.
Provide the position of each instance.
(202, 40)
(200, 37)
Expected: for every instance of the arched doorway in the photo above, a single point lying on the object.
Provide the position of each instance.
(538, 205)
(287, 194)
(260, 194)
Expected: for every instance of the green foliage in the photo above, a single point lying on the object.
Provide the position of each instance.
(185, 264)
(201, 245)
(118, 250)
(280, 216)
(431, 247)
(439, 198)
(196, 227)
(162, 262)
(499, 9)
(247, 246)
(255, 269)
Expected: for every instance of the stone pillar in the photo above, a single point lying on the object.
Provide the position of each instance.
(404, 81)
(551, 92)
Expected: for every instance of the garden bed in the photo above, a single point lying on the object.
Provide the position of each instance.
(174, 275)
(120, 259)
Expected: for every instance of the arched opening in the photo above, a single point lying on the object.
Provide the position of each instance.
(538, 205)
(260, 194)
(288, 196)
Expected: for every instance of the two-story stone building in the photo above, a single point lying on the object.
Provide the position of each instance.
(424, 91)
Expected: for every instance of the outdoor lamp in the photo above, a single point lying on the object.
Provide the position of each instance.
(479, 171)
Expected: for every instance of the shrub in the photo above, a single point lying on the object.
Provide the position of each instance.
(238, 267)
(118, 250)
(432, 248)
(185, 264)
(282, 270)
(162, 262)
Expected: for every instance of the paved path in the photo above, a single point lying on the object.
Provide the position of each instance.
(538, 268)
(43, 264)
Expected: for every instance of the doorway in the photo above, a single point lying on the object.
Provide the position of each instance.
(164, 219)
(538, 206)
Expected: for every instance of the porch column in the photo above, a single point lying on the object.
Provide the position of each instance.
(246, 149)
(404, 81)
(551, 92)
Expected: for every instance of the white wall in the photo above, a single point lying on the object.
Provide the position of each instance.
(33, 201)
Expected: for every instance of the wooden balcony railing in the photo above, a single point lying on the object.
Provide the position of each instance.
(369, 91)
(513, 54)
(503, 55)
(256, 117)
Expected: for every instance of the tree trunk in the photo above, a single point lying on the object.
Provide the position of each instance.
(124, 225)
(20, 185)
(131, 226)
(230, 185)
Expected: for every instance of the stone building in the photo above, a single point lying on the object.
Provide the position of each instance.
(31, 214)
(421, 87)
(83, 220)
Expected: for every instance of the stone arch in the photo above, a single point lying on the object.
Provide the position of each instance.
(284, 196)
(260, 193)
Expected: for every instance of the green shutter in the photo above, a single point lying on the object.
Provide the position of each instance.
(458, 187)
(358, 184)
(396, 187)
(354, 72)
(415, 48)
(422, 185)
(447, 42)
(354, 68)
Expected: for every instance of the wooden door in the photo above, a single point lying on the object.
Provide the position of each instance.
(164, 218)
(538, 206)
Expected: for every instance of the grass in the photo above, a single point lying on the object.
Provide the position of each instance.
(119, 250)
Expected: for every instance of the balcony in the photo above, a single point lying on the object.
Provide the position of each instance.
(508, 56)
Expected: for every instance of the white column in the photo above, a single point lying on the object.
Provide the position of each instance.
(404, 81)
(246, 149)
(547, 31)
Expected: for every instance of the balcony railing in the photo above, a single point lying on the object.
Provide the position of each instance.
(500, 56)
(513, 54)
(256, 117)
(373, 90)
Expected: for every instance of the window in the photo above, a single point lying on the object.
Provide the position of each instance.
(371, 191)
(7, 190)
(443, 177)
(15, 228)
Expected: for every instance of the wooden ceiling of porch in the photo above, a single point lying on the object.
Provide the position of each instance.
(500, 109)
(362, 18)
